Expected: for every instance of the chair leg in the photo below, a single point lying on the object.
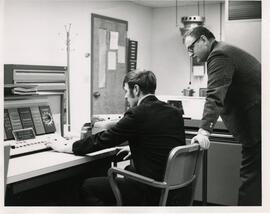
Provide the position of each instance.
(115, 188)
(163, 197)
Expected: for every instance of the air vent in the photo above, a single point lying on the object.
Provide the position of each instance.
(132, 55)
(239, 10)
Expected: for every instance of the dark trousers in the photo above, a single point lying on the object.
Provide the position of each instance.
(97, 192)
(250, 191)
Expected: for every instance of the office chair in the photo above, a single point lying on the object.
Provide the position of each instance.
(183, 166)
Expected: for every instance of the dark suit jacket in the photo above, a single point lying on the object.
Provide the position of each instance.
(152, 129)
(234, 92)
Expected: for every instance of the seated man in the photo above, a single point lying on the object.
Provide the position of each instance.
(151, 127)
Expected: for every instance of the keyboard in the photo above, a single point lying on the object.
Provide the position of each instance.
(24, 147)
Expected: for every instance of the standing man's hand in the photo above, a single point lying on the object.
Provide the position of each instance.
(202, 138)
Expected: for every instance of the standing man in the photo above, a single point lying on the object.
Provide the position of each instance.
(152, 129)
(234, 93)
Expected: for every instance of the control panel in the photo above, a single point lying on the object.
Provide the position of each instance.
(36, 144)
(28, 127)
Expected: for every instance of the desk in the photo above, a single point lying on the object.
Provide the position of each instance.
(29, 166)
(32, 171)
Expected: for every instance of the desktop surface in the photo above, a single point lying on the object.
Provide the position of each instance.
(28, 166)
(37, 179)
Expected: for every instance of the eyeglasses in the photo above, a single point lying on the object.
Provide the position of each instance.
(191, 47)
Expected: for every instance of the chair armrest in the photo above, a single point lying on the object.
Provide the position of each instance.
(136, 177)
(120, 157)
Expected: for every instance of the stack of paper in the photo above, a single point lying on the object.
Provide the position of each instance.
(24, 91)
(21, 89)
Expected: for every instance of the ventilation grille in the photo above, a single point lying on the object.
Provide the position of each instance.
(132, 55)
(239, 10)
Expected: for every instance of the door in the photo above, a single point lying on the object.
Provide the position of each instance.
(108, 64)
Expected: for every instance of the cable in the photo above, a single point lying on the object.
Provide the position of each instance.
(176, 10)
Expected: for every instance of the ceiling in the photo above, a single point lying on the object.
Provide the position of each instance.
(172, 3)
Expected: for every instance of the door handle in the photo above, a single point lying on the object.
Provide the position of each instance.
(96, 94)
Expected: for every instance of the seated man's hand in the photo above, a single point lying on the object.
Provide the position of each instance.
(125, 151)
(65, 146)
(202, 138)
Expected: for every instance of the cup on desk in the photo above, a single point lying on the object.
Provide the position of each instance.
(86, 130)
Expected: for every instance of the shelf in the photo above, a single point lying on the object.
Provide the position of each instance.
(172, 97)
(18, 97)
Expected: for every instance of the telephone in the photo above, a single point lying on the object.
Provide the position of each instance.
(90, 128)
(108, 119)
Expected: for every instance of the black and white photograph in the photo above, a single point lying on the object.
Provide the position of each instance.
(123, 106)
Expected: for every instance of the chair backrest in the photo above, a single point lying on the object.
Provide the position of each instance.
(182, 163)
(182, 168)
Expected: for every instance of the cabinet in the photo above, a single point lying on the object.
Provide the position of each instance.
(29, 85)
(223, 174)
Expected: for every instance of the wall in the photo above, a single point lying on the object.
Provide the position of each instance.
(266, 100)
(35, 34)
(245, 34)
(170, 60)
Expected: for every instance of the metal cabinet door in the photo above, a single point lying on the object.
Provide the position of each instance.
(223, 174)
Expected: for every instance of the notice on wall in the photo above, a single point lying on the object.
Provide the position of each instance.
(121, 54)
(114, 36)
(111, 60)
(102, 58)
(198, 71)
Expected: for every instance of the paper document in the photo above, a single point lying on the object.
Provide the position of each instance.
(198, 70)
(114, 40)
(101, 151)
(102, 58)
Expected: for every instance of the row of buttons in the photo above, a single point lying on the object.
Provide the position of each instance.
(25, 143)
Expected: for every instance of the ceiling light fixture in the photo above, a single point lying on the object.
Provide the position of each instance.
(190, 22)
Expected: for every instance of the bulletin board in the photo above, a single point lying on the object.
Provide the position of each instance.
(108, 64)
